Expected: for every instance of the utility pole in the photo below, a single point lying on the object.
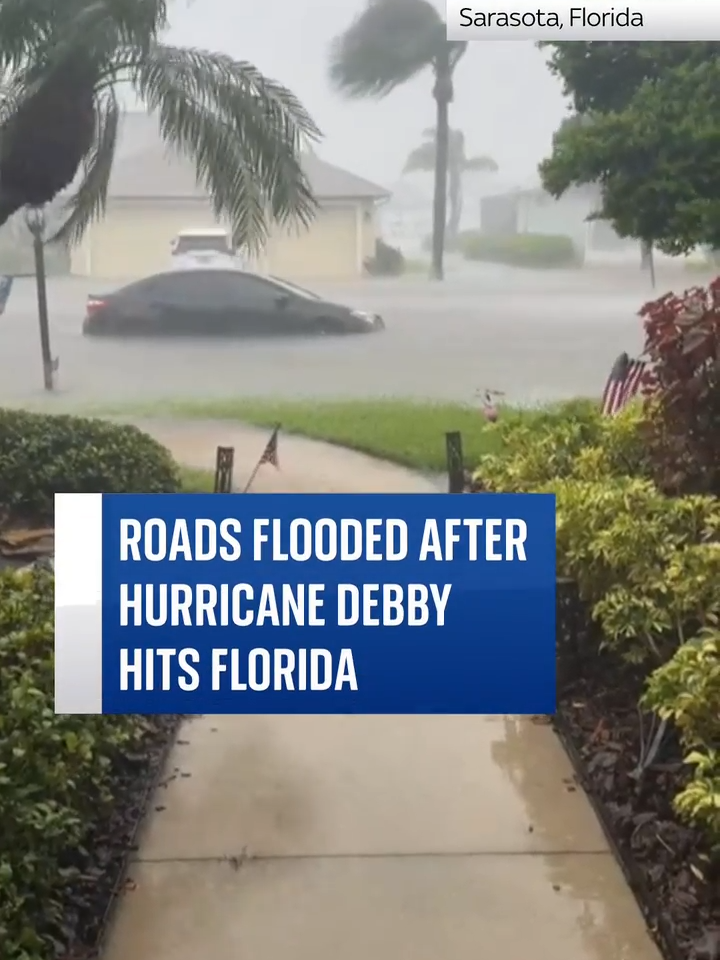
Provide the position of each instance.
(35, 220)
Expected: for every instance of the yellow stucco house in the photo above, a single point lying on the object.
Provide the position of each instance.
(153, 196)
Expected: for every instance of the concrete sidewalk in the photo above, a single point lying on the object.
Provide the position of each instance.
(306, 466)
(371, 838)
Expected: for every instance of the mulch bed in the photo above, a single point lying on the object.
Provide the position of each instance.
(103, 861)
(599, 723)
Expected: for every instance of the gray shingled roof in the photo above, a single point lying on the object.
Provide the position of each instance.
(144, 169)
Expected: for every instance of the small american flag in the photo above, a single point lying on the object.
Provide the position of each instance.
(623, 384)
(270, 453)
(6, 284)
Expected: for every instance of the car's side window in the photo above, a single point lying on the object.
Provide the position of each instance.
(213, 288)
(183, 289)
(145, 289)
(239, 289)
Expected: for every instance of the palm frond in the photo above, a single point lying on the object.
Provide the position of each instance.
(457, 51)
(481, 163)
(88, 202)
(46, 32)
(23, 25)
(243, 132)
(421, 158)
(46, 133)
(390, 42)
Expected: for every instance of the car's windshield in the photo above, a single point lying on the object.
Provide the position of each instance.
(189, 244)
(294, 288)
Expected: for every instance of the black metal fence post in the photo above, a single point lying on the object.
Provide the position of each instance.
(455, 462)
(224, 463)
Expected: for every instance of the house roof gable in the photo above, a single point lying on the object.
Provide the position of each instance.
(145, 169)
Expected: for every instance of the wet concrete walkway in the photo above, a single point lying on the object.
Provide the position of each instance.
(306, 466)
(369, 838)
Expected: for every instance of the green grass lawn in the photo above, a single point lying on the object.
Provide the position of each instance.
(408, 432)
(197, 481)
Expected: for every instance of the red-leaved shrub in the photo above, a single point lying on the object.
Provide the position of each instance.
(682, 389)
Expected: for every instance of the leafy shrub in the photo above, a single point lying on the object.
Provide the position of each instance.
(520, 249)
(387, 262)
(578, 442)
(683, 343)
(686, 690)
(41, 455)
(644, 562)
(55, 771)
(647, 564)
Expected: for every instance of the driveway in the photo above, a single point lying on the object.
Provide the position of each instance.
(535, 335)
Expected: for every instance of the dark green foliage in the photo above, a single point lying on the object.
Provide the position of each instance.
(603, 76)
(41, 455)
(650, 140)
(385, 46)
(387, 262)
(61, 64)
(55, 772)
(45, 140)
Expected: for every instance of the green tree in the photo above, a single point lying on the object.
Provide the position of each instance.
(60, 65)
(388, 44)
(602, 76)
(656, 160)
(603, 80)
(423, 157)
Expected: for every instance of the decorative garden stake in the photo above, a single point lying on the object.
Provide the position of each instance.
(489, 408)
(35, 220)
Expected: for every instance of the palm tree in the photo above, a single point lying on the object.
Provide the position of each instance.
(60, 64)
(423, 158)
(388, 44)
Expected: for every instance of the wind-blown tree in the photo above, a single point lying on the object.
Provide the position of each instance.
(391, 42)
(604, 80)
(60, 64)
(424, 156)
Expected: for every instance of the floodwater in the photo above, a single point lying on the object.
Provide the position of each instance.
(535, 335)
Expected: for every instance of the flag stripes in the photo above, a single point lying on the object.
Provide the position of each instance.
(622, 385)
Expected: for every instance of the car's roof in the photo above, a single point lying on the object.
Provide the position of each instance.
(214, 269)
(211, 269)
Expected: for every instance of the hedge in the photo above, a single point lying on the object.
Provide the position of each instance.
(647, 564)
(58, 774)
(519, 250)
(42, 454)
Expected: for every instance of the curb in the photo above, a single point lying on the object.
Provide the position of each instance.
(657, 925)
(97, 948)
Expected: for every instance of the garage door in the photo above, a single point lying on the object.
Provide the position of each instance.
(326, 251)
(135, 241)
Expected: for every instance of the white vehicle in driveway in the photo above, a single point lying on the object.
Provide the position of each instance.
(205, 247)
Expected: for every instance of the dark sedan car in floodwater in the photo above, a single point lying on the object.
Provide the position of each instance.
(219, 302)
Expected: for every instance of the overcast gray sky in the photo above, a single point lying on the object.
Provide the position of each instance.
(505, 99)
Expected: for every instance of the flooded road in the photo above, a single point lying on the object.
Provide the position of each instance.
(535, 335)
